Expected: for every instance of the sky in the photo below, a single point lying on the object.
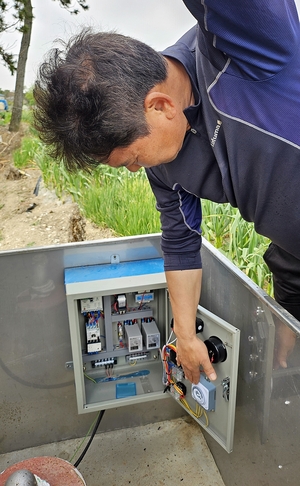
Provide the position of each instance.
(159, 23)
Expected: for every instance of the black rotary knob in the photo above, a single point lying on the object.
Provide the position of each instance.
(216, 349)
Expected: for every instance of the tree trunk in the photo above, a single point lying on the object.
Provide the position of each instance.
(19, 86)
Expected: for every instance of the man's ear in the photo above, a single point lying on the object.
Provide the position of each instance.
(157, 102)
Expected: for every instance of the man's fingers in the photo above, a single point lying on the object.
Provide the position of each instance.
(210, 373)
(193, 357)
(194, 374)
(209, 370)
(193, 377)
(283, 363)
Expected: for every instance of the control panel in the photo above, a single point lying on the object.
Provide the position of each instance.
(210, 403)
(124, 348)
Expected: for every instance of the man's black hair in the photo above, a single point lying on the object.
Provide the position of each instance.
(90, 96)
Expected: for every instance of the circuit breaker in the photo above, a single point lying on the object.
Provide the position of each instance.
(124, 348)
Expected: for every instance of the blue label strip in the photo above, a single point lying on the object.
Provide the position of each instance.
(107, 271)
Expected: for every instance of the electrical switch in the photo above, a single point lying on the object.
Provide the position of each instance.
(216, 349)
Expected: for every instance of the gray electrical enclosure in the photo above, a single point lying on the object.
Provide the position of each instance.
(119, 313)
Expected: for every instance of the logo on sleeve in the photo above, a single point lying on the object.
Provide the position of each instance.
(216, 133)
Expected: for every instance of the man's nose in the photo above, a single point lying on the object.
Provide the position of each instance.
(134, 168)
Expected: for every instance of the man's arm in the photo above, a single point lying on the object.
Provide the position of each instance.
(181, 242)
(184, 289)
(260, 36)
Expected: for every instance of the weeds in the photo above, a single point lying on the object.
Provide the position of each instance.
(119, 200)
(25, 155)
(6, 117)
(224, 227)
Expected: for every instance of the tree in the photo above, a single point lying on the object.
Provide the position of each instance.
(7, 57)
(23, 17)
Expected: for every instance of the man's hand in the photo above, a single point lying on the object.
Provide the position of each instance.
(184, 290)
(191, 354)
(284, 345)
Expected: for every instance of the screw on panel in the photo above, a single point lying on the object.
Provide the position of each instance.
(253, 374)
(259, 311)
(114, 259)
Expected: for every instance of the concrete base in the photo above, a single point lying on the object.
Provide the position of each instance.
(165, 453)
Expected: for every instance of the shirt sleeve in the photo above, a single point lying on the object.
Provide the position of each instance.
(180, 215)
(260, 36)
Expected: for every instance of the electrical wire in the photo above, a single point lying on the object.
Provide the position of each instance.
(83, 440)
(89, 378)
(198, 413)
(99, 418)
(142, 301)
(171, 382)
(169, 339)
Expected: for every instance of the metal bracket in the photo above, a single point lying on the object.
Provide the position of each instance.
(114, 259)
(69, 365)
(257, 345)
(226, 388)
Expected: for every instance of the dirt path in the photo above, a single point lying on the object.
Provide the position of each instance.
(29, 220)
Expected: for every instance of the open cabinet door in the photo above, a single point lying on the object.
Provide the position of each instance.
(211, 404)
(119, 318)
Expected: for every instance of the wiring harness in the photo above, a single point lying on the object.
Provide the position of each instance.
(172, 379)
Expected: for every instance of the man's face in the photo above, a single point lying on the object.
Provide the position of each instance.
(161, 146)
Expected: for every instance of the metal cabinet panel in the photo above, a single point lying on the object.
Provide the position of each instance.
(118, 373)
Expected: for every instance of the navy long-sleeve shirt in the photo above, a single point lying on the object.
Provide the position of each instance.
(243, 146)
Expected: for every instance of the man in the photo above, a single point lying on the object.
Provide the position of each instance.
(215, 116)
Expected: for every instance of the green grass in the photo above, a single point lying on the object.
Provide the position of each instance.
(224, 227)
(27, 116)
(119, 200)
(5, 118)
(26, 154)
(123, 202)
